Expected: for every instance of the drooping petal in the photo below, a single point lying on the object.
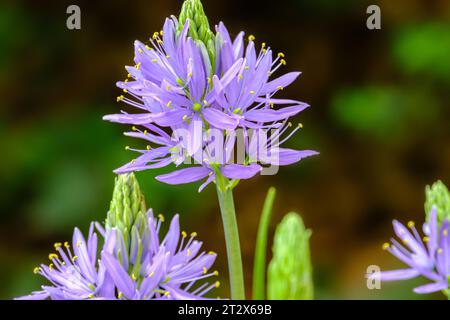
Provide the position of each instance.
(238, 171)
(432, 287)
(182, 176)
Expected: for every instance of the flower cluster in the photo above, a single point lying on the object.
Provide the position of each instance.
(133, 262)
(428, 256)
(201, 99)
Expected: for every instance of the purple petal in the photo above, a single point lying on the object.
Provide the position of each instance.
(432, 287)
(173, 235)
(119, 275)
(170, 118)
(394, 275)
(238, 171)
(268, 115)
(286, 157)
(186, 175)
(282, 81)
(126, 118)
(219, 119)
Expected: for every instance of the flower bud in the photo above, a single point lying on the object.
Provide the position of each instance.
(439, 196)
(290, 271)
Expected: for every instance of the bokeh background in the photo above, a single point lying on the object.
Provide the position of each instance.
(379, 117)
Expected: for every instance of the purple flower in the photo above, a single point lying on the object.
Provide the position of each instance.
(151, 269)
(75, 273)
(167, 269)
(428, 256)
(183, 97)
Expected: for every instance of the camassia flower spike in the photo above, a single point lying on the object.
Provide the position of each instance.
(133, 261)
(189, 81)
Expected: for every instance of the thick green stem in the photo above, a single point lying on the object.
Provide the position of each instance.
(225, 196)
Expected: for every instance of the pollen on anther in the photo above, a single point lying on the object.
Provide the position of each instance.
(386, 246)
(411, 224)
(217, 284)
(205, 270)
(251, 38)
(193, 234)
(183, 234)
(161, 217)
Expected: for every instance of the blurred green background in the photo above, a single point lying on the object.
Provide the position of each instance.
(379, 117)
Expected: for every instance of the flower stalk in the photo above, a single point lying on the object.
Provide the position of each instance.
(230, 227)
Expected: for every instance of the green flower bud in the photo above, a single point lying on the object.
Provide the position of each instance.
(290, 271)
(439, 196)
(127, 210)
(199, 28)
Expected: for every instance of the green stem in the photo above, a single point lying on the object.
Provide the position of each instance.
(259, 264)
(225, 196)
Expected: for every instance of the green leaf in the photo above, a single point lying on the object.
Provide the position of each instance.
(259, 264)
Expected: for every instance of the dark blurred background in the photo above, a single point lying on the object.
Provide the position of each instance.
(379, 117)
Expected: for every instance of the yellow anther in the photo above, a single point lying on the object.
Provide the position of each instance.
(183, 234)
(246, 67)
(151, 274)
(168, 88)
(155, 35)
(147, 47)
(445, 232)
(185, 117)
(52, 256)
(251, 38)
(57, 245)
(217, 284)
(50, 266)
(252, 92)
(193, 234)
(263, 45)
(289, 124)
(167, 57)
(133, 277)
(134, 128)
(205, 103)
(138, 66)
(271, 104)
(216, 273)
(129, 75)
(283, 62)
(148, 147)
(119, 98)
(280, 88)
(386, 246)
(74, 258)
(169, 103)
(410, 224)
(126, 80)
(91, 295)
(281, 54)
(67, 245)
(36, 270)
(264, 50)
(140, 50)
(240, 76)
(167, 293)
(126, 148)
(161, 217)
(145, 132)
(190, 74)
(120, 295)
(161, 33)
(300, 125)
(440, 250)
(154, 60)
(188, 252)
(125, 90)
(426, 239)
(159, 41)
(205, 270)
(211, 252)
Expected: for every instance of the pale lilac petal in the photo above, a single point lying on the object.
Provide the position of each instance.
(186, 175)
(219, 119)
(269, 115)
(238, 171)
(432, 287)
(394, 275)
(282, 81)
